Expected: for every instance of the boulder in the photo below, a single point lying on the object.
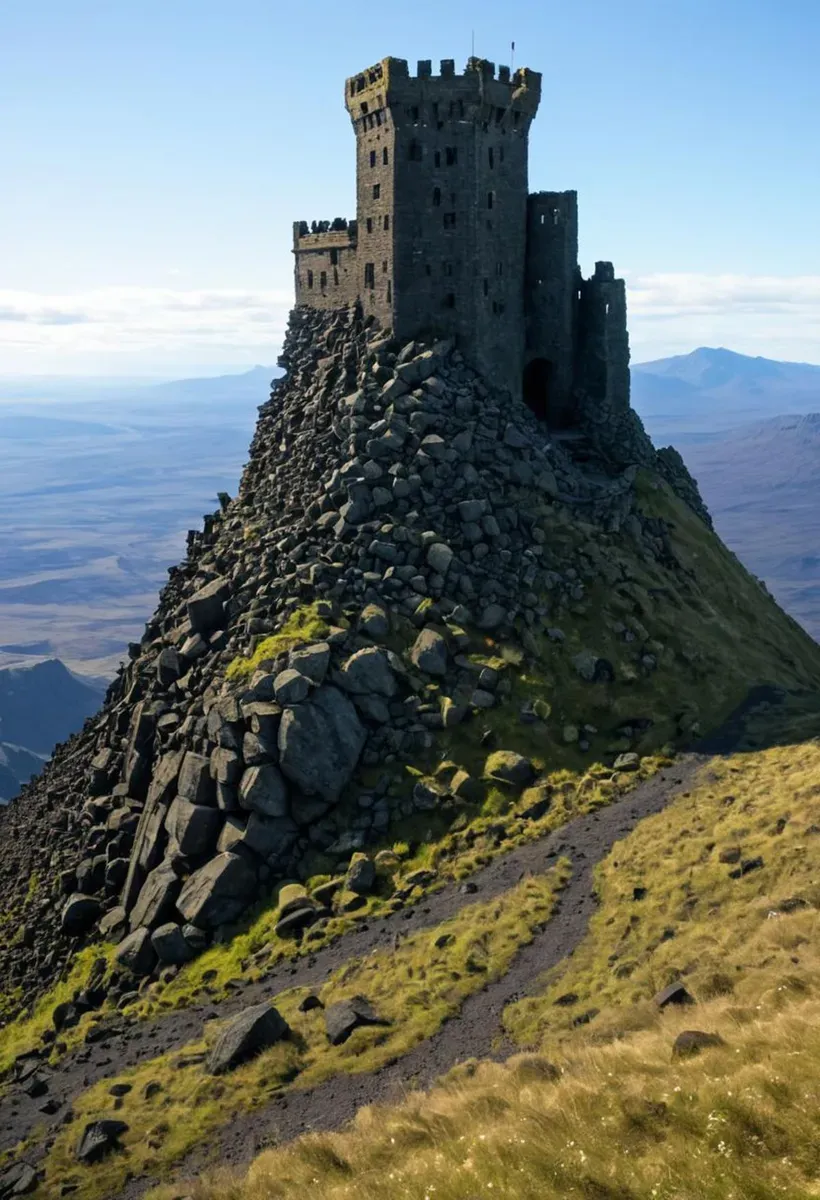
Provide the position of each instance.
(194, 827)
(263, 790)
(169, 667)
(627, 762)
(18, 1180)
(136, 953)
(79, 914)
(320, 742)
(311, 661)
(195, 782)
(692, 1041)
(99, 1139)
(361, 875)
(270, 837)
(157, 897)
(367, 672)
(218, 892)
(248, 1033)
(205, 608)
(290, 687)
(374, 623)
(439, 557)
(342, 1018)
(507, 767)
(170, 945)
(429, 653)
(675, 993)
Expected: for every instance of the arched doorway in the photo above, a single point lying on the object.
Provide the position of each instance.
(537, 385)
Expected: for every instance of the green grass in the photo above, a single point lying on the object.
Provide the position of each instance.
(602, 1110)
(302, 626)
(416, 988)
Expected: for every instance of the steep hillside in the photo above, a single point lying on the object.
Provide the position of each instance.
(762, 485)
(423, 654)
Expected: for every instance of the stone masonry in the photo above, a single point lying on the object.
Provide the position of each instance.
(449, 241)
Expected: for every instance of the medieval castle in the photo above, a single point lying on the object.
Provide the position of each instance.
(448, 240)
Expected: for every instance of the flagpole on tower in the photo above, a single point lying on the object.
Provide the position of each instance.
(512, 56)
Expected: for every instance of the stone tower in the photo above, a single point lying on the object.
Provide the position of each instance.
(448, 240)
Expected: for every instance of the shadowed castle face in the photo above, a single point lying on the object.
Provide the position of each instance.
(447, 238)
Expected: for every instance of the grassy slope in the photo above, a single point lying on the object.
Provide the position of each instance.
(415, 988)
(603, 1110)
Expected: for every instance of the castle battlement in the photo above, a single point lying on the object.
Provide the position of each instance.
(449, 240)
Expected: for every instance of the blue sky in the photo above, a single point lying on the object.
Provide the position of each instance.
(155, 152)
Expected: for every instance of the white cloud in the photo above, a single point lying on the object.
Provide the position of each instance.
(166, 329)
(774, 316)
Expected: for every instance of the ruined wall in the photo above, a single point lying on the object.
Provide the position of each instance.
(551, 302)
(454, 189)
(325, 263)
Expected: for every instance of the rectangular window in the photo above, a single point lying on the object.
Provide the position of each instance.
(335, 277)
(387, 222)
(384, 266)
(436, 197)
(369, 275)
(451, 155)
(490, 199)
(437, 158)
(334, 258)
(377, 190)
(323, 280)
(385, 156)
(310, 279)
(491, 156)
(389, 292)
(449, 220)
(369, 224)
(486, 287)
(372, 158)
(450, 300)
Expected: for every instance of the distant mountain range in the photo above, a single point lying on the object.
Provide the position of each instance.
(40, 705)
(713, 389)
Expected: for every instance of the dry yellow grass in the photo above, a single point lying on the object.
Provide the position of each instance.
(604, 1111)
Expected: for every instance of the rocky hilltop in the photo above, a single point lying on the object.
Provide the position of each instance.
(417, 596)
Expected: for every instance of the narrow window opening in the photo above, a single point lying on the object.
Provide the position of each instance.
(369, 224)
(378, 116)
(449, 220)
(450, 300)
(451, 155)
(486, 287)
(543, 218)
(387, 222)
(334, 258)
(377, 190)
(436, 197)
(372, 158)
(414, 151)
(385, 156)
(389, 291)
(606, 310)
(323, 280)
(335, 277)
(556, 216)
(491, 156)
(490, 199)
(364, 106)
(437, 158)
(428, 270)
(310, 279)
(369, 275)
(384, 266)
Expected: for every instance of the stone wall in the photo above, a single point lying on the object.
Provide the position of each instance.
(551, 302)
(326, 273)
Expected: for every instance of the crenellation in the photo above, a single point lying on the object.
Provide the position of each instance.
(448, 239)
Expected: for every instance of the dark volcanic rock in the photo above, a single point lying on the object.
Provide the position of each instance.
(320, 742)
(99, 1139)
(218, 892)
(342, 1018)
(246, 1034)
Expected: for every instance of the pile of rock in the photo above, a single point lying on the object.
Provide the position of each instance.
(386, 484)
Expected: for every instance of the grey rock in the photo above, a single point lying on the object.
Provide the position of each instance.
(320, 742)
(627, 762)
(205, 608)
(675, 993)
(691, 1041)
(136, 954)
(195, 782)
(169, 667)
(311, 661)
(194, 827)
(264, 791)
(226, 766)
(157, 897)
(79, 914)
(270, 837)
(218, 892)
(245, 1035)
(18, 1180)
(439, 557)
(429, 653)
(170, 945)
(492, 616)
(290, 687)
(342, 1018)
(361, 876)
(374, 622)
(368, 671)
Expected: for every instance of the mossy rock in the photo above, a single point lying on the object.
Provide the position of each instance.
(509, 769)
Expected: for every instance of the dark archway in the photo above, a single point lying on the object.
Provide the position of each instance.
(537, 387)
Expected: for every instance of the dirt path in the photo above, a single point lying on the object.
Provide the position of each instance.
(474, 1032)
